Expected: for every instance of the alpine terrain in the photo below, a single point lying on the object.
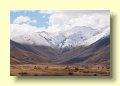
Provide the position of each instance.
(78, 45)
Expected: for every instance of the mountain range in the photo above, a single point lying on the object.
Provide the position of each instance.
(78, 45)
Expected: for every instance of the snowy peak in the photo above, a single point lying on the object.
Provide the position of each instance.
(76, 36)
(31, 39)
(72, 40)
(87, 31)
(104, 33)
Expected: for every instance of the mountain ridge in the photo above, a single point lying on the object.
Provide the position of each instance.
(79, 45)
(71, 38)
(79, 55)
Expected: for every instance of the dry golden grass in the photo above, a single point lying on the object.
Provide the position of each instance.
(57, 70)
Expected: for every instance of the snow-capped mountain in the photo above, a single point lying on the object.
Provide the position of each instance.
(76, 36)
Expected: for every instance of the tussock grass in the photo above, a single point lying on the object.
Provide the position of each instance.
(57, 70)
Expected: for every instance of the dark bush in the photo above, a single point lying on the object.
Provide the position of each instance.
(70, 73)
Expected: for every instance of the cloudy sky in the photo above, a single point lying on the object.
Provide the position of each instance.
(57, 20)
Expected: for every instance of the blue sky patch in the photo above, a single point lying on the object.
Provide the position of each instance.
(41, 19)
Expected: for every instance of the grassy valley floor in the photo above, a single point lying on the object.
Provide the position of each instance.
(58, 70)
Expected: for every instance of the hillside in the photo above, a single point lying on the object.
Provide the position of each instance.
(21, 55)
(96, 53)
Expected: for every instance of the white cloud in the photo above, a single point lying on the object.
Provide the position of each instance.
(33, 21)
(23, 19)
(48, 11)
(31, 10)
(67, 19)
(20, 29)
(60, 20)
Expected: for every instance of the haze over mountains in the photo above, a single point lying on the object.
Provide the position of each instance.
(78, 45)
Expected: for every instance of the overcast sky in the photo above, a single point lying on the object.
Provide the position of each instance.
(57, 20)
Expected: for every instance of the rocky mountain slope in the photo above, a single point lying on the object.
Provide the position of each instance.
(79, 45)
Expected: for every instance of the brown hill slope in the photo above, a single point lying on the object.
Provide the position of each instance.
(19, 56)
(14, 61)
(98, 53)
(43, 51)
